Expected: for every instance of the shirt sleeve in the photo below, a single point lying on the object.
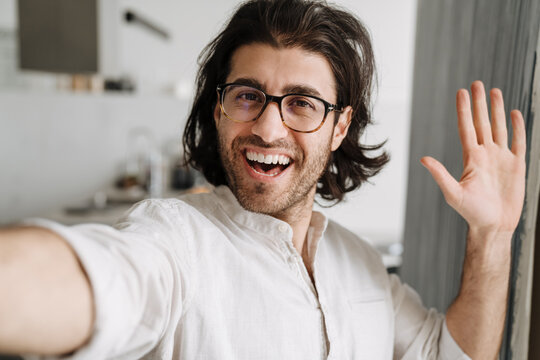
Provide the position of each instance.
(420, 333)
(138, 273)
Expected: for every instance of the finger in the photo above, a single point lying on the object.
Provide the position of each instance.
(480, 113)
(466, 130)
(498, 118)
(448, 185)
(519, 139)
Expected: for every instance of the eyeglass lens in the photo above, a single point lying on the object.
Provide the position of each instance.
(300, 112)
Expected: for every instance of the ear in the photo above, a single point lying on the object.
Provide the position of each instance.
(341, 128)
(217, 113)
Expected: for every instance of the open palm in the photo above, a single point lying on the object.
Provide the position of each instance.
(490, 193)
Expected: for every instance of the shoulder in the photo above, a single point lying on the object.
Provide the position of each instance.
(344, 239)
(355, 253)
(169, 213)
(160, 208)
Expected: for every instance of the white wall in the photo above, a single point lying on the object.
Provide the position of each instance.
(56, 147)
(377, 210)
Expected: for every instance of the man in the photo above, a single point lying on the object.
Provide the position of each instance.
(250, 271)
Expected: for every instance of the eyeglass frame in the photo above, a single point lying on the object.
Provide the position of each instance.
(328, 107)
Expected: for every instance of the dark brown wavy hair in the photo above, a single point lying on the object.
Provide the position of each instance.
(313, 26)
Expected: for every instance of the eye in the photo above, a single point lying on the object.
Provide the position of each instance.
(299, 102)
(303, 103)
(245, 94)
(249, 96)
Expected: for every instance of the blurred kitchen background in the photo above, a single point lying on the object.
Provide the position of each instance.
(86, 132)
(76, 119)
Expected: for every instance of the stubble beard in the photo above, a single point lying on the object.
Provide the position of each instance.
(263, 197)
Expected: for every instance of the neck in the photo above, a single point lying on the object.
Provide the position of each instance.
(298, 217)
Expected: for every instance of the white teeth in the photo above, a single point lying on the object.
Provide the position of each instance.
(251, 156)
(267, 159)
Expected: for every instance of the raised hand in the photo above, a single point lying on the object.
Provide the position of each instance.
(490, 193)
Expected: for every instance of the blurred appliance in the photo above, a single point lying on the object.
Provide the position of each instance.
(59, 36)
(77, 37)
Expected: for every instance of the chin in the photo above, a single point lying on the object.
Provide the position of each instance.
(264, 199)
(259, 198)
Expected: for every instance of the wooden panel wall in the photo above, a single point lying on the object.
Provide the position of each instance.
(534, 340)
(458, 42)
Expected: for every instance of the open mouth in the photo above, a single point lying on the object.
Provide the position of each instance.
(267, 165)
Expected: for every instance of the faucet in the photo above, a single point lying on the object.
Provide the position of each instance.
(145, 161)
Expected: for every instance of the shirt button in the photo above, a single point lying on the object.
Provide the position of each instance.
(282, 228)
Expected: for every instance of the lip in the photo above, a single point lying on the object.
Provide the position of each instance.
(266, 152)
(259, 177)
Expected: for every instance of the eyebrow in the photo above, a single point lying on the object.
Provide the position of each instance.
(289, 89)
(302, 89)
(249, 82)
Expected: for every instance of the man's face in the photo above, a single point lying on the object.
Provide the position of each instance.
(276, 189)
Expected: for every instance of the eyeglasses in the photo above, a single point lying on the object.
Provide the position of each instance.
(299, 112)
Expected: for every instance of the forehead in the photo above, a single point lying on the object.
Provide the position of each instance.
(278, 69)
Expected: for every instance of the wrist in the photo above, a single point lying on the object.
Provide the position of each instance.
(489, 236)
(489, 249)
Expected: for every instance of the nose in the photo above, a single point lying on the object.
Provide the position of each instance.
(269, 126)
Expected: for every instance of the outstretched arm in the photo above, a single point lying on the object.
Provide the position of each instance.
(489, 196)
(45, 298)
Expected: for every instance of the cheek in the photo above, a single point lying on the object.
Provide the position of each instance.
(313, 143)
(309, 147)
(228, 130)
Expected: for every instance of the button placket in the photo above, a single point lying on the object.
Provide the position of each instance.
(326, 325)
(296, 263)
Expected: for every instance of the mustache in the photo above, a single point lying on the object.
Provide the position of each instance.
(255, 140)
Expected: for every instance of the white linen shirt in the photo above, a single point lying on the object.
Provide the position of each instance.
(201, 278)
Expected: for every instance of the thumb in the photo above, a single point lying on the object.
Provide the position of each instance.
(448, 185)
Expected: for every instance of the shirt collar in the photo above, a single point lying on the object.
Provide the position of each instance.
(259, 222)
(266, 223)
